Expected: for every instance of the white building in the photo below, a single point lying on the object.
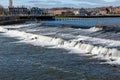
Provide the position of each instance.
(80, 12)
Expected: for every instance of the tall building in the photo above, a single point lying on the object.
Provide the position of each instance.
(10, 3)
(18, 11)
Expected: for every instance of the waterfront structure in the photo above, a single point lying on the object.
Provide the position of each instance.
(93, 12)
(81, 12)
(68, 13)
(58, 12)
(45, 12)
(76, 12)
(48, 12)
(117, 10)
(63, 12)
(18, 11)
(111, 10)
(36, 11)
(104, 11)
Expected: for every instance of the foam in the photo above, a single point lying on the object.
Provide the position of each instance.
(72, 45)
(95, 29)
(22, 25)
(93, 40)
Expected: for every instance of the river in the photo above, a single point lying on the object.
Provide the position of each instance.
(35, 52)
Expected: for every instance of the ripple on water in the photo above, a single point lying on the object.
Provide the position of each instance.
(26, 62)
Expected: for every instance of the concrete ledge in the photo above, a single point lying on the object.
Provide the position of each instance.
(11, 22)
(106, 16)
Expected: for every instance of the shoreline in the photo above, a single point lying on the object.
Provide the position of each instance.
(106, 16)
(8, 20)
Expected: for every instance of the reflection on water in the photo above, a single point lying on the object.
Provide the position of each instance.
(84, 22)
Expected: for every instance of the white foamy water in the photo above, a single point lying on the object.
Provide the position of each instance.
(21, 26)
(105, 48)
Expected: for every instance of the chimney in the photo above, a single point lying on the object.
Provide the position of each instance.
(10, 4)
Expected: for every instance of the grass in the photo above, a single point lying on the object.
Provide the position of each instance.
(60, 17)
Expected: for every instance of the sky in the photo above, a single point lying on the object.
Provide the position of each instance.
(62, 3)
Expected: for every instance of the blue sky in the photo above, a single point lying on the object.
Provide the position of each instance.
(62, 3)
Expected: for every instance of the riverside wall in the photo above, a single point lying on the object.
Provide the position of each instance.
(6, 20)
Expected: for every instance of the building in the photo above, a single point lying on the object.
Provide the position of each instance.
(76, 12)
(103, 11)
(111, 10)
(36, 11)
(48, 12)
(1, 10)
(68, 13)
(63, 12)
(117, 10)
(81, 12)
(58, 12)
(18, 11)
(93, 11)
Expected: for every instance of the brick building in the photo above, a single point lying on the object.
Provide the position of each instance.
(117, 10)
(67, 13)
(1, 11)
(58, 12)
(103, 11)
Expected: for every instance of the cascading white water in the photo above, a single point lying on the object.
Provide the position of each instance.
(3, 30)
(95, 29)
(78, 45)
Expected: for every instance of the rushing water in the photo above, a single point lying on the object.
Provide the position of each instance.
(34, 52)
(26, 62)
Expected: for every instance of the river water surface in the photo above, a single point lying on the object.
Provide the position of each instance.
(26, 55)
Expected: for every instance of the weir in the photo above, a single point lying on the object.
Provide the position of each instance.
(7, 20)
(34, 39)
(35, 17)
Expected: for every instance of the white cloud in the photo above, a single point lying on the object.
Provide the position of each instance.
(110, 0)
(88, 3)
(62, 3)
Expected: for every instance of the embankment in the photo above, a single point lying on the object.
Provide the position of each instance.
(7, 20)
